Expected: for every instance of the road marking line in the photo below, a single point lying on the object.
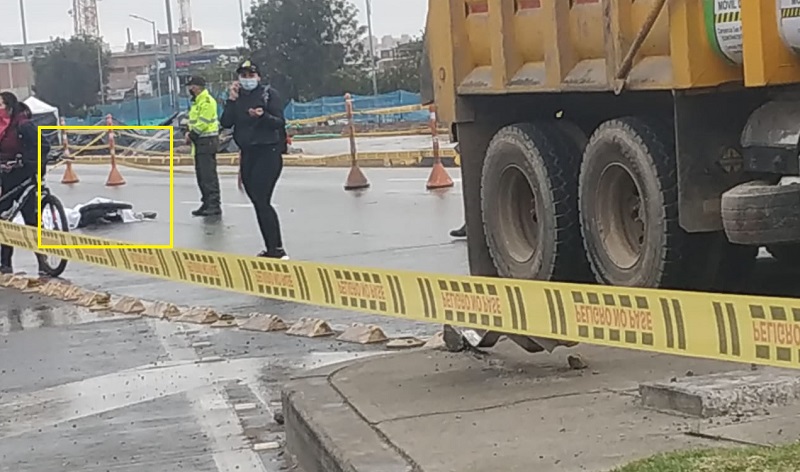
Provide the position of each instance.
(244, 406)
(266, 446)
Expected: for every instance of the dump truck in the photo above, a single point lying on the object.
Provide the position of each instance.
(648, 143)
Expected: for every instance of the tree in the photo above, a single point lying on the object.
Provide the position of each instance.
(309, 48)
(68, 76)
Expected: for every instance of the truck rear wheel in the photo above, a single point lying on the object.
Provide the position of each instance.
(629, 205)
(529, 204)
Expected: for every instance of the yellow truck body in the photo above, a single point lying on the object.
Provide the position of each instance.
(528, 46)
(627, 142)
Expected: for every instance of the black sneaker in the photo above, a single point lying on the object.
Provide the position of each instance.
(214, 211)
(460, 232)
(207, 212)
(5, 270)
(200, 211)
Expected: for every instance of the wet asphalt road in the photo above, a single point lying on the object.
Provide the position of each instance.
(396, 223)
(81, 392)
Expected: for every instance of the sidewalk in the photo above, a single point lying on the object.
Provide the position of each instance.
(434, 411)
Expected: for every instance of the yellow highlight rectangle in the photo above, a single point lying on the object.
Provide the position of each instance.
(171, 244)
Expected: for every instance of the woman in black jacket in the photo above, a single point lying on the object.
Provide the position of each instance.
(19, 160)
(255, 112)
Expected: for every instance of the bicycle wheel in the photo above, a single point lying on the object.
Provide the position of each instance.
(49, 265)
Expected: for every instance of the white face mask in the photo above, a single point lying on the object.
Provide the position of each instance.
(248, 83)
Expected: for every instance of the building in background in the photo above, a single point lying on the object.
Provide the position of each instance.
(16, 76)
(125, 67)
(20, 51)
(185, 41)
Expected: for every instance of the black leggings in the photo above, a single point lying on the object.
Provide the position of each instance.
(261, 167)
(7, 183)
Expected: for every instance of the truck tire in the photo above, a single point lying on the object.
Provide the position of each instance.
(629, 205)
(529, 204)
(759, 213)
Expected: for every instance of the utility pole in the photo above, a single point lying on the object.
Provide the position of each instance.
(174, 71)
(372, 49)
(155, 45)
(25, 44)
(100, 70)
(241, 16)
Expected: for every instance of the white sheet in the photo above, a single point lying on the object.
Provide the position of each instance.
(74, 215)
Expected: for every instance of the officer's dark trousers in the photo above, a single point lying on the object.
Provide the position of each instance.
(261, 168)
(8, 182)
(205, 166)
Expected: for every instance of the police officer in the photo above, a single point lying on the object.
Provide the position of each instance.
(203, 135)
(255, 112)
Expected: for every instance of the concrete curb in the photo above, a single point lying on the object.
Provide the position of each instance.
(325, 434)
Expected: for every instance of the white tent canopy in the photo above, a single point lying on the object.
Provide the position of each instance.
(44, 114)
(39, 107)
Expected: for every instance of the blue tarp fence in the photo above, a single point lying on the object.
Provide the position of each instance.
(152, 111)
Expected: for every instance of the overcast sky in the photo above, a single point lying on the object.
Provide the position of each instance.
(217, 19)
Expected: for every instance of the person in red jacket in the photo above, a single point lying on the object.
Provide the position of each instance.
(19, 144)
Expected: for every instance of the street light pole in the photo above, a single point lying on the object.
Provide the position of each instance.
(372, 49)
(25, 40)
(158, 61)
(174, 71)
(100, 70)
(155, 45)
(241, 16)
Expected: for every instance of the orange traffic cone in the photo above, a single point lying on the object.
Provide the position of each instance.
(356, 180)
(70, 177)
(114, 177)
(439, 177)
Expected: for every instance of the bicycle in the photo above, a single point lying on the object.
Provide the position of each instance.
(19, 196)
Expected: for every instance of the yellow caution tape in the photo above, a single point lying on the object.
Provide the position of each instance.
(333, 160)
(748, 329)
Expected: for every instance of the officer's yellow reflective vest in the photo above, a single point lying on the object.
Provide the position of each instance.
(203, 115)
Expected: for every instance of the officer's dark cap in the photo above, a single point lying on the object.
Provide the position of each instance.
(196, 80)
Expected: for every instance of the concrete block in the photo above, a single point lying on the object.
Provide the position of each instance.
(34, 285)
(436, 342)
(225, 324)
(405, 343)
(310, 328)
(128, 306)
(727, 393)
(162, 310)
(95, 301)
(198, 315)
(54, 289)
(72, 293)
(265, 323)
(20, 282)
(362, 334)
